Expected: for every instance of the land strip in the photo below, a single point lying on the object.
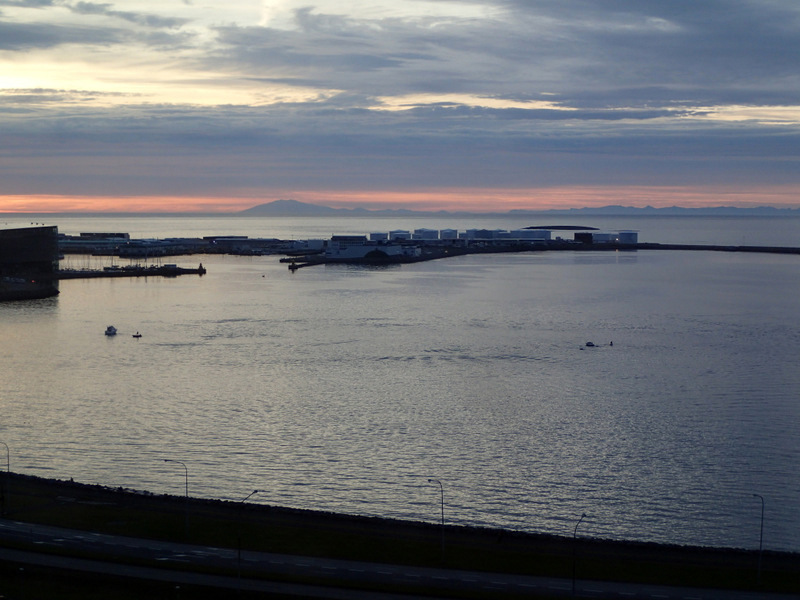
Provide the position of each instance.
(253, 528)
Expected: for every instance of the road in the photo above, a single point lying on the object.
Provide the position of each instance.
(184, 564)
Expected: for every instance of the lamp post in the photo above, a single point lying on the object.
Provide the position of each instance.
(761, 536)
(441, 489)
(246, 498)
(239, 536)
(574, 540)
(185, 471)
(5, 476)
(186, 507)
(8, 457)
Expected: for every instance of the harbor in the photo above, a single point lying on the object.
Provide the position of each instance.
(31, 275)
(374, 249)
(360, 383)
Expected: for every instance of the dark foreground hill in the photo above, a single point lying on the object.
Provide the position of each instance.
(240, 525)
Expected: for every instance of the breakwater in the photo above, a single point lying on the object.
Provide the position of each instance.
(130, 271)
(438, 252)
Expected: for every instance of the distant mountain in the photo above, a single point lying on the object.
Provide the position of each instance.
(293, 208)
(616, 210)
(290, 208)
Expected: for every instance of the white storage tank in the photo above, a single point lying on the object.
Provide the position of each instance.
(378, 237)
(628, 236)
(399, 234)
(603, 238)
(531, 234)
(426, 234)
(448, 234)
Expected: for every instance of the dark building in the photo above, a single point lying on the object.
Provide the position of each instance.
(28, 263)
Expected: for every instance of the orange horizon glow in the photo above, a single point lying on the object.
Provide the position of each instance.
(453, 200)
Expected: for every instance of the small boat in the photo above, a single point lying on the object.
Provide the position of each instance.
(590, 344)
(111, 330)
(137, 335)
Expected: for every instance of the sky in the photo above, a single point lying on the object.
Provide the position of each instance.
(481, 105)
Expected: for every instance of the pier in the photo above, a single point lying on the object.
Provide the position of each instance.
(130, 271)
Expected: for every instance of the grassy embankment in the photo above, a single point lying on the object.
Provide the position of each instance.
(280, 530)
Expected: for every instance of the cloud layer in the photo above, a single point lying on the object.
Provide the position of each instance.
(249, 100)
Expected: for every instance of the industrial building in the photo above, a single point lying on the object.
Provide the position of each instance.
(28, 263)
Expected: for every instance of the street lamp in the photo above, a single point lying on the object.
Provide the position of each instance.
(574, 539)
(239, 535)
(8, 457)
(441, 489)
(185, 470)
(186, 501)
(761, 536)
(3, 480)
(246, 498)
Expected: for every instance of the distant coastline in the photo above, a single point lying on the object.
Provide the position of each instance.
(296, 209)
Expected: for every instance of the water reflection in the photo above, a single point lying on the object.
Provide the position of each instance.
(344, 389)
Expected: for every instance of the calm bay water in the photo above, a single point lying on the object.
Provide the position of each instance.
(346, 389)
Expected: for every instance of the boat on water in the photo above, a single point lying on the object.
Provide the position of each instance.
(137, 335)
(111, 330)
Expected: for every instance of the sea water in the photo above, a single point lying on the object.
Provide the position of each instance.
(346, 389)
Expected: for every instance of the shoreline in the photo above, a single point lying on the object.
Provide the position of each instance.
(274, 529)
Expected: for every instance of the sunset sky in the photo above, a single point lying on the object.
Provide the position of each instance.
(482, 105)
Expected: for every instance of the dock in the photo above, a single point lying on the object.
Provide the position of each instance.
(130, 271)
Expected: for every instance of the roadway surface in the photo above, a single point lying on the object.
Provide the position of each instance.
(183, 564)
